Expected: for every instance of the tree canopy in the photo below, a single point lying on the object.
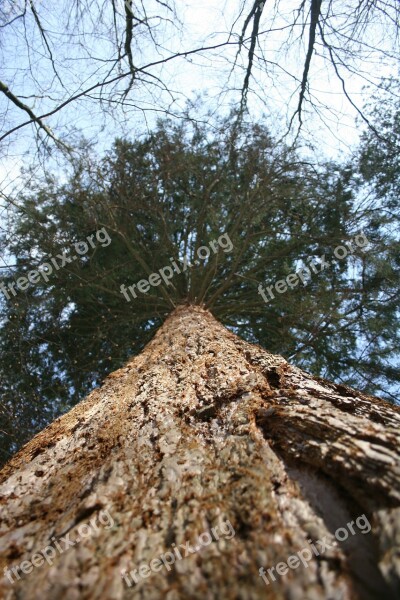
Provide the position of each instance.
(260, 212)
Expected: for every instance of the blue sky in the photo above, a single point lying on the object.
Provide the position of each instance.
(83, 51)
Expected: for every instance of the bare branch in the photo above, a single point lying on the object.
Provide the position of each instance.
(315, 14)
(34, 119)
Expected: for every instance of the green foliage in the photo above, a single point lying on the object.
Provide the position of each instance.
(379, 156)
(161, 198)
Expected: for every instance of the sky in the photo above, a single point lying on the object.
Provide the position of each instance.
(331, 125)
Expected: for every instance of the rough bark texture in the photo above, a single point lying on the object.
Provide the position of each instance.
(202, 428)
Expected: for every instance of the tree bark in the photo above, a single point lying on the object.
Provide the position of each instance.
(199, 430)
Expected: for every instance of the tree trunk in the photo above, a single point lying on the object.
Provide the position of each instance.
(205, 441)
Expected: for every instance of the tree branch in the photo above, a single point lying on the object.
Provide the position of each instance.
(34, 119)
(315, 14)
